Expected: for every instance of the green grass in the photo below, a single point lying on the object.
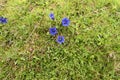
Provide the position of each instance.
(92, 41)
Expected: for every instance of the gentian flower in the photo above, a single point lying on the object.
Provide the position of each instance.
(60, 39)
(52, 16)
(53, 31)
(65, 21)
(3, 20)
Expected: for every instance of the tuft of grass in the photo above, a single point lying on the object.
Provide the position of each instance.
(92, 41)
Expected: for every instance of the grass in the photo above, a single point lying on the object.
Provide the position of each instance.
(92, 41)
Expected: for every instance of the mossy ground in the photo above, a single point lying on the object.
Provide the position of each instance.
(92, 41)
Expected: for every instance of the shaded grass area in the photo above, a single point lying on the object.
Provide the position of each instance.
(92, 41)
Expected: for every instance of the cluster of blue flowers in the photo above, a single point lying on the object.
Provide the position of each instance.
(3, 20)
(53, 30)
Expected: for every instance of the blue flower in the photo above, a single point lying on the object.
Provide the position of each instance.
(60, 39)
(52, 16)
(53, 31)
(3, 20)
(65, 21)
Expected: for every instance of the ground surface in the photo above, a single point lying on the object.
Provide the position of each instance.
(91, 50)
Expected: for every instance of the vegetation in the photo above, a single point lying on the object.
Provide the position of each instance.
(91, 50)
